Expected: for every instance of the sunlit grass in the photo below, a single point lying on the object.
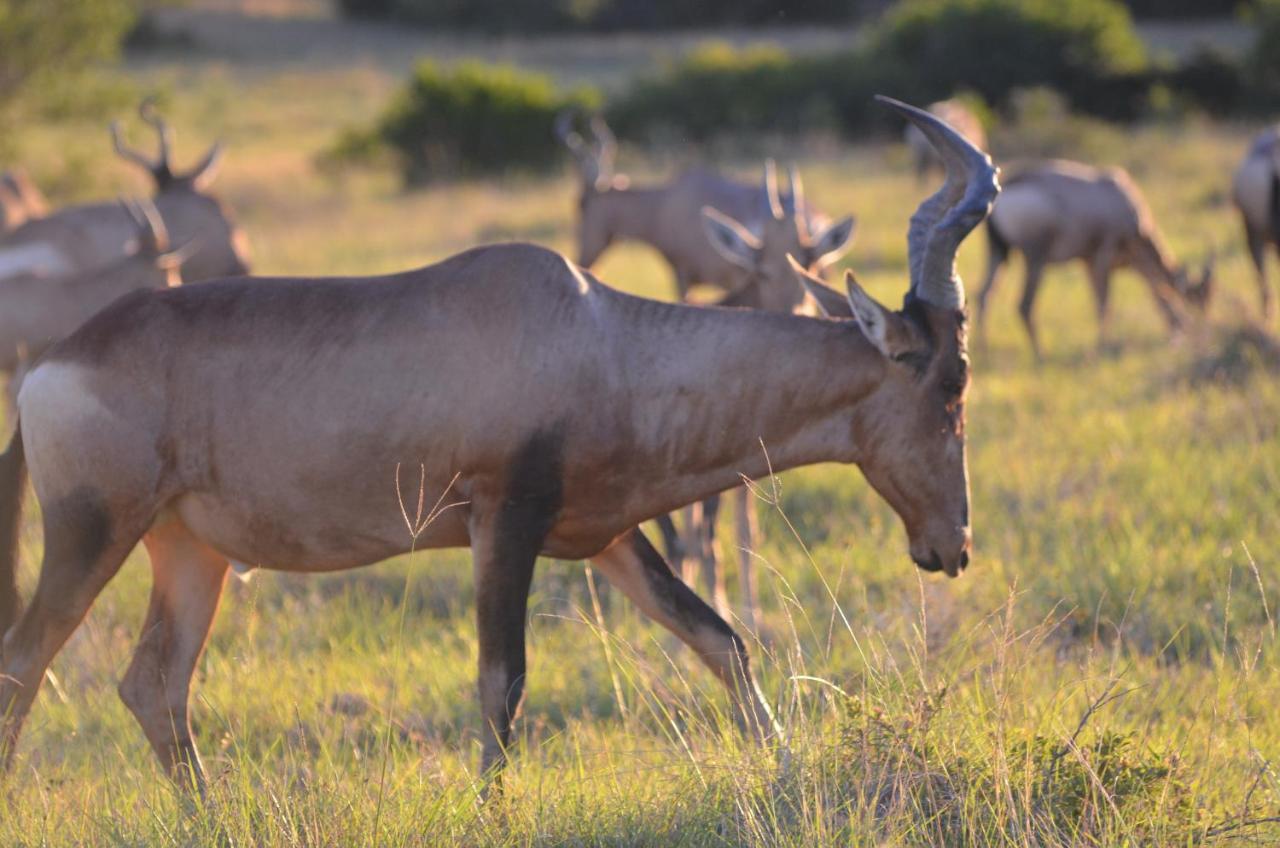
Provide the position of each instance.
(1126, 519)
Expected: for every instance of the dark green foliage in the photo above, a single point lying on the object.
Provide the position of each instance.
(43, 42)
(599, 15)
(1162, 9)
(1263, 62)
(470, 120)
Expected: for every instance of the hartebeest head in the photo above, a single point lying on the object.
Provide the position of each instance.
(594, 156)
(219, 247)
(912, 445)
(784, 234)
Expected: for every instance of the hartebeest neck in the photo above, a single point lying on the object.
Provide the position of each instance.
(728, 393)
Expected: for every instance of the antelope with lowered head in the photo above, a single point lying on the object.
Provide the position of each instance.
(37, 311)
(961, 119)
(1054, 212)
(1256, 193)
(20, 200)
(264, 420)
(78, 238)
(668, 218)
(769, 283)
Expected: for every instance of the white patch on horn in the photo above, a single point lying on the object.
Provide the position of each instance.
(41, 259)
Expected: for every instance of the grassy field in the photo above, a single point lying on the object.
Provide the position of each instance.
(1104, 674)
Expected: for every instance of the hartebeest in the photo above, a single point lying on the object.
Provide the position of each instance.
(667, 217)
(1056, 211)
(1256, 192)
(36, 311)
(78, 238)
(768, 283)
(264, 420)
(961, 119)
(20, 200)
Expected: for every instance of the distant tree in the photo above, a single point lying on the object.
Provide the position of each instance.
(42, 42)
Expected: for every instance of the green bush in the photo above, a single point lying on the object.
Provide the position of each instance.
(1085, 48)
(1263, 62)
(598, 15)
(471, 120)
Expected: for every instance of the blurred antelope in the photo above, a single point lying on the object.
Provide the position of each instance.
(265, 421)
(768, 283)
(1256, 192)
(667, 218)
(961, 119)
(20, 200)
(37, 311)
(78, 238)
(1057, 211)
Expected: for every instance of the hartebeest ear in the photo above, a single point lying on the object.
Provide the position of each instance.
(830, 302)
(730, 239)
(832, 243)
(893, 335)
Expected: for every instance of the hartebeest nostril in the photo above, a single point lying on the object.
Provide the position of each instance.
(964, 559)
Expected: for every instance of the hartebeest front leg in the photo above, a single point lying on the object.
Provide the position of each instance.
(747, 533)
(1257, 242)
(187, 581)
(632, 564)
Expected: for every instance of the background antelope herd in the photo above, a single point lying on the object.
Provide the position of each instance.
(1105, 671)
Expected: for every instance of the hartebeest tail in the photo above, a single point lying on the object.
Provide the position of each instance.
(13, 478)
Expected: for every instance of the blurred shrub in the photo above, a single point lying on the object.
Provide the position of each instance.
(599, 15)
(43, 42)
(1185, 8)
(1263, 61)
(1085, 48)
(471, 120)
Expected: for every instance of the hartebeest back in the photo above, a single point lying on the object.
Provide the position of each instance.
(264, 420)
(1054, 212)
(1256, 193)
(79, 238)
(667, 217)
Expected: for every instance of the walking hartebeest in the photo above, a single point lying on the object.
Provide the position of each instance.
(961, 119)
(264, 420)
(1057, 211)
(667, 218)
(1256, 192)
(768, 283)
(20, 200)
(78, 238)
(36, 311)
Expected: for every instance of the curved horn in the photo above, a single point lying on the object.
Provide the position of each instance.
(797, 189)
(943, 220)
(606, 143)
(564, 130)
(128, 153)
(772, 205)
(204, 172)
(153, 237)
(147, 112)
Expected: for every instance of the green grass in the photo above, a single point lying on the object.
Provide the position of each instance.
(1126, 517)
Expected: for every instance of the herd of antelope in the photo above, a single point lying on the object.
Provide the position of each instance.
(253, 421)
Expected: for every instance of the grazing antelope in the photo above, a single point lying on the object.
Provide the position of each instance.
(1054, 212)
(668, 218)
(961, 119)
(20, 200)
(768, 283)
(37, 311)
(264, 420)
(1256, 192)
(82, 237)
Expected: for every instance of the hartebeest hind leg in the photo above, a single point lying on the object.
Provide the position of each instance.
(1026, 306)
(188, 577)
(1099, 268)
(85, 544)
(1257, 242)
(633, 565)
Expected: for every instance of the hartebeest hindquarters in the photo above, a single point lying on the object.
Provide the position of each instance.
(1057, 211)
(1256, 193)
(79, 238)
(262, 420)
